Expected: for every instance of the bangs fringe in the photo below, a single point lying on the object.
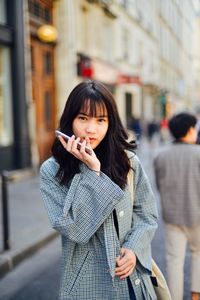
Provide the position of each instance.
(94, 107)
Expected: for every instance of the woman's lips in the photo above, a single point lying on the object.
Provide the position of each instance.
(92, 139)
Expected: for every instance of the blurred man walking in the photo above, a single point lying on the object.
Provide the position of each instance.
(177, 171)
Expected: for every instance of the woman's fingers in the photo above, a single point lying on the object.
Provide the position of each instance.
(82, 147)
(125, 263)
(74, 146)
(123, 269)
(88, 143)
(127, 274)
(77, 149)
(67, 145)
(128, 257)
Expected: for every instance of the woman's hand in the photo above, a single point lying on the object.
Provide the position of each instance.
(126, 263)
(89, 159)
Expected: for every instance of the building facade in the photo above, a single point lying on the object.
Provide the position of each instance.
(196, 55)
(176, 43)
(142, 50)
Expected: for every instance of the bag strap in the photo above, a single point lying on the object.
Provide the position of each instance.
(130, 182)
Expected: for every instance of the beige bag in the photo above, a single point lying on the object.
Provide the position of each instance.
(158, 279)
(161, 288)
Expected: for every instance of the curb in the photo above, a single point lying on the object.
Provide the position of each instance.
(11, 258)
(19, 174)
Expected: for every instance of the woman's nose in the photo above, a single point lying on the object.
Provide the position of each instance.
(90, 127)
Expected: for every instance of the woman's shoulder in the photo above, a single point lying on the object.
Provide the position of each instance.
(133, 157)
(49, 166)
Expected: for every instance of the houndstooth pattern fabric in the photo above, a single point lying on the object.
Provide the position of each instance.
(82, 214)
(177, 172)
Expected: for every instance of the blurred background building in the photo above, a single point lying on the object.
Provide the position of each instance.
(146, 51)
(14, 122)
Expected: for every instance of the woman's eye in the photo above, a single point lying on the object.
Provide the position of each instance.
(82, 118)
(101, 120)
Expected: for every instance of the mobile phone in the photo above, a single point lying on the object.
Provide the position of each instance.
(66, 137)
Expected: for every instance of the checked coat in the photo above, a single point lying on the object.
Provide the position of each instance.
(177, 173)
(83, 214)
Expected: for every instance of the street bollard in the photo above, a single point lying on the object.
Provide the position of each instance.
(5, 216)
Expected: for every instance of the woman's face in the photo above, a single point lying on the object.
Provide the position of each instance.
(94, 127)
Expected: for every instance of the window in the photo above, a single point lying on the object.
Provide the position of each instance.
(6, 124)
(124, 3)
(2, 12)
(47, 63)
(47, 15)
(40, 10)
(108, 41)
(32, 59)
(48, 110)
(125, 44)
(36, 9)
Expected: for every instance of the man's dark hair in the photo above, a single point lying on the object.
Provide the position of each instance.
(181, 123)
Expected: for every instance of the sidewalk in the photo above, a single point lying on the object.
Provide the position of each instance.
(28, 222)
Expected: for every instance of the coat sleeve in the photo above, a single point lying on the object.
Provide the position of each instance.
(78, 211)
(144, 222)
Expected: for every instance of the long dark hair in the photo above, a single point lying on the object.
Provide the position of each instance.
(110, 152)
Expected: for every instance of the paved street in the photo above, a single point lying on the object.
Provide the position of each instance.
(36, 278)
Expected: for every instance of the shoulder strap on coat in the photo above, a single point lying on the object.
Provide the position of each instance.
(131, 181)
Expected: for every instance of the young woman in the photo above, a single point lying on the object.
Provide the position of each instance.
(106, 241)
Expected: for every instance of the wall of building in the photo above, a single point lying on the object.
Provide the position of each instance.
(196, 100)
(142, 50)
(153, 44)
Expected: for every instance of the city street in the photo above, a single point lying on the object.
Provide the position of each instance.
(38, 276)
(83, 56)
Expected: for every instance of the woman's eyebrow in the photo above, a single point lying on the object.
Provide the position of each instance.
(102, 116)
(88, 115)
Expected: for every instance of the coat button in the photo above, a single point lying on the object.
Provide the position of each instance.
(137, 281)
(121, 213)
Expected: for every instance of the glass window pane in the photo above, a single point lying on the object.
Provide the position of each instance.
(47, 63)
(47, 15)
(36, 9)
(6, 122)
(32, 59)
(48, 110)
(2, 12)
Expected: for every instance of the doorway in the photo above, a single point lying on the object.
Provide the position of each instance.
(43, 86)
